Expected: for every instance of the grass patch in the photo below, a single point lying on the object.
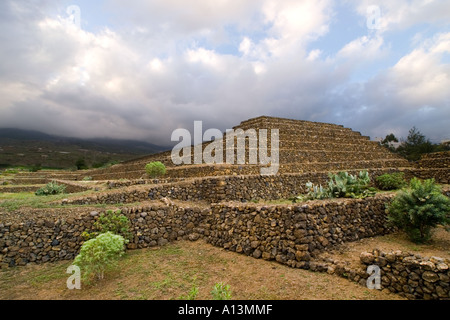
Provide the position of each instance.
(15, 201)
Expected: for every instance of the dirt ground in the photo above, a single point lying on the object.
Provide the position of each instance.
(171, 271)
(439, 246)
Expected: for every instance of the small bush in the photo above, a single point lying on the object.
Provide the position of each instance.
(36, 168)
(419, 209)
(111, 221)
(50, 188)
(221, 291)
(192, 295)
(87, 178)
(155, 169)
(99, 255)
(81, 164)
(392, 181)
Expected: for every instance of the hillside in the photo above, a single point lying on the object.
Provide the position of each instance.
(33, 148)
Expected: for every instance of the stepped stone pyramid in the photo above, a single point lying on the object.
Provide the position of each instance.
(304, 147)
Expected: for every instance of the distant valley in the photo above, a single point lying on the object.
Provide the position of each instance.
(40, 150)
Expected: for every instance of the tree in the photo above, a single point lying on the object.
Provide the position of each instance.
(388, 140)
(415, 145)
(155, 169)
(81, 164)
(420, 209)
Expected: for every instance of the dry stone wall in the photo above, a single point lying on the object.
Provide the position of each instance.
(215, 189)
(434, 160)
(294, 235)
(70, 187)
(42, 240)
(291, 234)
(434, 165)
(411, 275)
(56, 238)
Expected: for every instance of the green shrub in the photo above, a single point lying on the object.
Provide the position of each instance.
(391, 181)
(155, 169)
(81, 164)
(99, 255)
(50, 188)
(111, 221)
(419, 209)
(36, 168)
(87, 178)
(192, 295)
(221, 291)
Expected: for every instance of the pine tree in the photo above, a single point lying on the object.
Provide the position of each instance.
(420, 209)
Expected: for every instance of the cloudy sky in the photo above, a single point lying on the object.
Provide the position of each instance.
(141, 68)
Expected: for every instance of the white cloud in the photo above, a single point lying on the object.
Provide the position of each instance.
(314, 54)
(163, 69)
(413, 92)
(295, 24)
(421, 77)
(402, 14)
(298, 20)
(245, 46)
(365, 47)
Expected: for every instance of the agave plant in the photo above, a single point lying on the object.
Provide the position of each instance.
(316, 192)
(340, 185)
(313, 192)
(345, 185)
(364, 178)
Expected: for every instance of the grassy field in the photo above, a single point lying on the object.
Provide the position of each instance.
(14, 201)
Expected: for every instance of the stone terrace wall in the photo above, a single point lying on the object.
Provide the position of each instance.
(441, 175)
(18, 189)
(205, 170)
(71, 187)
(435, 160)
(434, 165)
(55, 238)
(216, 189)
(290, 234)
(410, 275)
(126, 183)
(293, 234)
